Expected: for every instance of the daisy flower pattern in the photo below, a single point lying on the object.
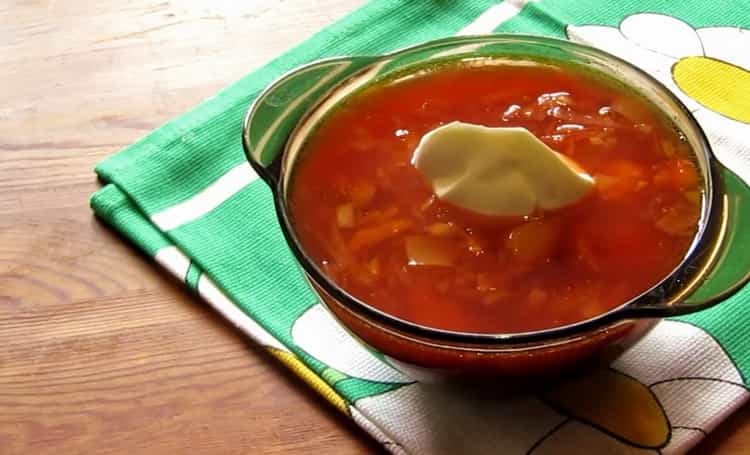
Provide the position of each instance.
(644, 403)
(707, 68)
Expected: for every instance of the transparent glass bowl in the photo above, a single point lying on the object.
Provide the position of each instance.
(716, 265)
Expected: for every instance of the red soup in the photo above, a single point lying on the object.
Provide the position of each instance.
(371, 222)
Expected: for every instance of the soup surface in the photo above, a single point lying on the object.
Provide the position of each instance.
(372, 223)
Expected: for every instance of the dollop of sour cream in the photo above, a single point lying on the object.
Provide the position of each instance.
(498, 171)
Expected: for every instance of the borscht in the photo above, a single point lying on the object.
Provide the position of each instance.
(370, 221)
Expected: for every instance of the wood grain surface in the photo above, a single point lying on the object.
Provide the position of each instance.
(100, 351)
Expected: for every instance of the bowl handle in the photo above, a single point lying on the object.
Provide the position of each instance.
(276, 111)
(728, 262)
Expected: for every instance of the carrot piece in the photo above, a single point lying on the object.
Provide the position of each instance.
(535, 241)
(430, 250)
(371, 236)
(586, 300)
(473, 245)
(491, 298)
(621, 178)
(678, 173)
(428, 203)
(378, 216)
(667, 147)
(345, 216)
(537, 296)
(361, 193)
(374, 266)
(679, 221)
(441, 229)
(693, 196)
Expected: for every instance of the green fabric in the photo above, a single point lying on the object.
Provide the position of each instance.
(115, 208)
(238, 244)
(728, 323)
(192, 276)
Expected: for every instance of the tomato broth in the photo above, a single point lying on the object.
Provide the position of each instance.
(372, 223)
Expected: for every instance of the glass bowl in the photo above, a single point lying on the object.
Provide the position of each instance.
(716, 265)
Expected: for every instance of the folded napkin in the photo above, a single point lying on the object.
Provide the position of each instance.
(186, 196)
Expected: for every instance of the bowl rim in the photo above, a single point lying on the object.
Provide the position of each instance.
(635, 308)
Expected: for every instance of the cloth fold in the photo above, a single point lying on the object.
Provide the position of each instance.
(186, 196)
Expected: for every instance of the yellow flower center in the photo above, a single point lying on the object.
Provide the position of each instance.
(312, 379)
(717, 85)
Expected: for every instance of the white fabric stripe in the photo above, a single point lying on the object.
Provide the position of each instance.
(493, 17)
(174, 260)
(228, 184)
(207, 199)
(215, 297)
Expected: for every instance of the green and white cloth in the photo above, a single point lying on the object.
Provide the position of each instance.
(186, 196)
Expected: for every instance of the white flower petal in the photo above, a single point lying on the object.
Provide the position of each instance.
(682, 440)
(663, 34)
(610, 40)
(699, 403)
(442, 419)
(728, 139)
(675, 350)
(578, 438)
(375, 431)
(730, 44)
(321, 336)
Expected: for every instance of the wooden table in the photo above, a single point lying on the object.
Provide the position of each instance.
(100, 351)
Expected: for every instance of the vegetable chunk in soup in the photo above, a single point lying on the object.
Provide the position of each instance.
(371, 222)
